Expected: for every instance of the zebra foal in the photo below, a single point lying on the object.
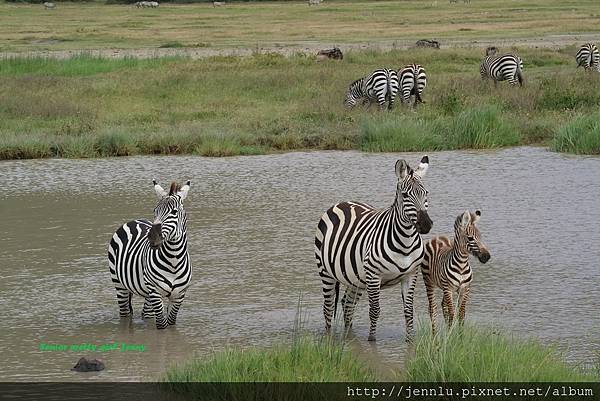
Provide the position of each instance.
(413, 80)
(380, 86)
(505, 67)
(446, 265)
(151, 259)
(588, 56)
(363, 248)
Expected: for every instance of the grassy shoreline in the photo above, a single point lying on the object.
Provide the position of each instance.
(224, 106)
(468, 354)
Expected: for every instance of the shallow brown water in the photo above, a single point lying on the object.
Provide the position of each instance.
(251, 226)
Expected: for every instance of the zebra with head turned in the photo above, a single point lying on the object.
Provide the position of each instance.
(446, 265)
(363, 248)
(505, 67)
(151, 259)
(412, 82)
(588, 56)
(380, 86)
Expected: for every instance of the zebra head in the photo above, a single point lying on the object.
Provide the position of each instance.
(412, 195)
(169, 216)
(354, 93)
(466, 230)
(491, 50)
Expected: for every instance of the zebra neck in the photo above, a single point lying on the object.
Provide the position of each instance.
(459, 250)
(401, 223)
(173, 252)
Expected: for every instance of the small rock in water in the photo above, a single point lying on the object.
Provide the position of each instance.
(83, 365)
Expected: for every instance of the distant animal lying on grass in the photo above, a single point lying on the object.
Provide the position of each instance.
(143, 4)
(218, 3)
(428, 43)
(335, 54)
(314, 2)
(49, 6)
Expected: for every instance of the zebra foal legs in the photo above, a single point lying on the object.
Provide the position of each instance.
(124, 301)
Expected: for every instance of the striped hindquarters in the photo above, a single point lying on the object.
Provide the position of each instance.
(507, 67)
(127, 255)
(588, 56)
(413, 81)
(380, 86)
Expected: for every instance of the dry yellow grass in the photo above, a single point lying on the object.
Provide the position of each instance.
(95, 25)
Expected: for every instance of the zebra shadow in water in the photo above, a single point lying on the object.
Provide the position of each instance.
(151, 259)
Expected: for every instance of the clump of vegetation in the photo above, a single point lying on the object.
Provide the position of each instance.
(471, 354)
(581, 135)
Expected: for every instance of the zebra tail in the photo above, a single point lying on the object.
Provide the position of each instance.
(335, 300)
(520, 77)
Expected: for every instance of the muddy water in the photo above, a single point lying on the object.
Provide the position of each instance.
(251, 222)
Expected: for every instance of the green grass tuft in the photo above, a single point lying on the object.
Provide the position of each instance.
(471, 354)
(581, 136)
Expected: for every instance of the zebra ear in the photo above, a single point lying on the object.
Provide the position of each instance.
(476, 216)
(183, 192)
(466, 218)
(402, 169)
(160, 192)
(423, 166)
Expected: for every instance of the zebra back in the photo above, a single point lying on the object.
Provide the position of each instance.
(380, 86)
(502, 67)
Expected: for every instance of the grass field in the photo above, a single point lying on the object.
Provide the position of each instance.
(90, 107)
(95, 25)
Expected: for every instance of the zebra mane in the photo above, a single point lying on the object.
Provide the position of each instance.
(175, 187)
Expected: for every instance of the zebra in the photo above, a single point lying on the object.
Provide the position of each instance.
(380, 86)
(413, 80)
(502, 67)
(588, 56)
(446, 265)
(361, 247)
(151, 259)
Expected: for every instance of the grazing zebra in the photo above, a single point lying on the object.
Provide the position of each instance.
(588, 56)
(502, 67)
(151, 259)
(446, 266)
(412, 82)
(380, 86)
(361, 248)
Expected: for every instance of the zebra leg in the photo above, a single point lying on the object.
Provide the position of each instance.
(124, 301)
(174, 309)
(156, 302)
(432, 306)
(147, 311)
(408, 293)
(373, 287)
(329, 284)
(349, 301)
(462, 300)
(448, 302)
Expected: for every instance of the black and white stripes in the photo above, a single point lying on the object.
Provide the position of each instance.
(505, 67)
(588, 57)
(363, 248)
(151, 259)
(380, 86)
(412, 82)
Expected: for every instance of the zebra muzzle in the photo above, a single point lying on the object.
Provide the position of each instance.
(483, 256)
(424, 223)
(155, 236)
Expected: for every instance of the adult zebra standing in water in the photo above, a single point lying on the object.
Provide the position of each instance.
(412, 82)
(381, 87)
(588, 56)
(151, 259)
(505, 67)
(446, 266)
(361, 248)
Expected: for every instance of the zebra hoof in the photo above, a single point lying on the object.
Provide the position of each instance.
(371, 337)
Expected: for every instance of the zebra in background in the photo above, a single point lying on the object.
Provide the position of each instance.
(151, 259)
(588, 56)
(381, 87)
(412, 82)
(446, 266)
(505, 67)
(361, 248)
